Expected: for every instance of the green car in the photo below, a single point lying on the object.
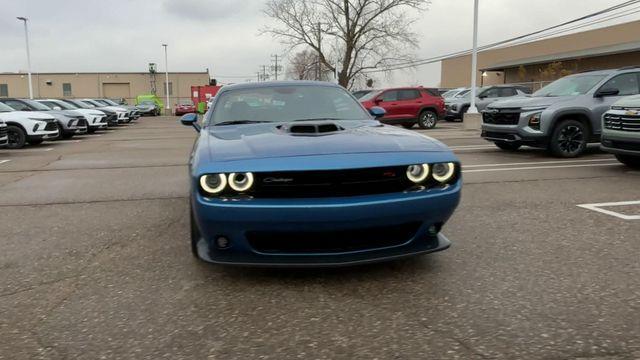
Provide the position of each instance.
(621, 131)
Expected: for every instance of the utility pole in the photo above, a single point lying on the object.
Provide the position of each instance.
(474, 60)
(318, 66)
(166, 76)
(26, 37)
(258, 77)
(265, 76)
(275, 68)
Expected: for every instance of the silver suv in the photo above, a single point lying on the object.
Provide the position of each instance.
(621, 131)
(563, 116)
(458, 105)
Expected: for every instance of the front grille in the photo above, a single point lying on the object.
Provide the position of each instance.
(331, 183)
(103, 119)
(3, 131)
(112, 118)
(51, 126)
(626, 145)
(332, 241)
(501, 117)
(622, 122)
(82, 122)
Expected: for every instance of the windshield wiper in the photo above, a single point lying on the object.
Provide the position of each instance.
(240, 122)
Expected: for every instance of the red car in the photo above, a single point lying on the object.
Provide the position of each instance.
(408, 106)
(184, 107)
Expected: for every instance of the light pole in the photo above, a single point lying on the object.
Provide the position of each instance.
(166, 79)
(474, 60)
(26, 36)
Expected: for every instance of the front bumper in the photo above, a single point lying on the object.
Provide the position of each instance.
(617, 142)
(293, 218)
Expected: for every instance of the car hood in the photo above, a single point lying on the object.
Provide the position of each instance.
(22, 115)
(629, 102)
(90, 112)
(238, 142)
(531, 102)
(113, 108)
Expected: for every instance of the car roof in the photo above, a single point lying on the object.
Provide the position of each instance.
(268, 84)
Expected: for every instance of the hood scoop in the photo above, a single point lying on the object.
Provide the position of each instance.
(311, 129)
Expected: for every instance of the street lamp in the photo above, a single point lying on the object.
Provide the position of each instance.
(474, 60)
(166, 77)
(26, 36)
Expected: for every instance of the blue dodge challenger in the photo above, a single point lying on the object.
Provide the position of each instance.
(300, 174)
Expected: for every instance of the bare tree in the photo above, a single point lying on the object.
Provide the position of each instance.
(357, 35)
(302, 66)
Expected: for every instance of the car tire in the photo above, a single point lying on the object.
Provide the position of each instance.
(91, 130)
(60, 133)
(569, 139)
(17, 137)
(508, 146)
(427, 119)
(630, 161)
(408, 125)
(67, 136)
(35, 141)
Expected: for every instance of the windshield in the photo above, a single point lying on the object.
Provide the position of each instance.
(570, 85)
(59, 104)
(287, 103)
(147, 103)
(36, 105)
(82, 104)
(185, 102)
(370, 96)
(93, 102)
(450, 93)
(5, 108)
(110, 102)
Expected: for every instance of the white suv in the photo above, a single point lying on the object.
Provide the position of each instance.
(122, 112)
(27, 127)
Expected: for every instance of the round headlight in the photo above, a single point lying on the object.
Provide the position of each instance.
(418, 173)
(241, 181)
(213, 184)
(443, 172)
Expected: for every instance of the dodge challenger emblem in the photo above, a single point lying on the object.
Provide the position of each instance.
(277, 180)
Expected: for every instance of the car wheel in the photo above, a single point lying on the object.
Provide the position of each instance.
(630, 161)
(91, 130)
(67, 136)
(508, 146)
(35, 141)
(427, 119)
(17, 137)
(60, 133)
(407, 125)
(569, 139)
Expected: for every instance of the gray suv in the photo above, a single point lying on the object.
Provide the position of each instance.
(563, 116)
(458, 105)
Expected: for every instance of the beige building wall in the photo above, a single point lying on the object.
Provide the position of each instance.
(88, 85)
(456, 72)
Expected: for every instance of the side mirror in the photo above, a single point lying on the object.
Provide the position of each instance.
(377, 112)
(57, 108)
(607, 92)
(190, 119)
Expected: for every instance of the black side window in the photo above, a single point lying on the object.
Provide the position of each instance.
(390, 95)
(20, 106)
(626, 83)
(506, 92)
(408, 94)
(491, 93)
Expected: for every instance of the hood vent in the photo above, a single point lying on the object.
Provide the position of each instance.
(311, 128)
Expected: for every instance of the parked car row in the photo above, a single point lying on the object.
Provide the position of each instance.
(407, 106)
(566, 115)
(26, 121)
(458, 101)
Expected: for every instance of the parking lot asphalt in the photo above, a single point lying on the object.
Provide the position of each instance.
(96, 263)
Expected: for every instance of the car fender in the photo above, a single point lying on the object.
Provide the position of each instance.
(580, 111)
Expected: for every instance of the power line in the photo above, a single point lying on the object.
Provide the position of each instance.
(408, 64)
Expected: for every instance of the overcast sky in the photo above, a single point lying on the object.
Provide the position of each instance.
(223, 35)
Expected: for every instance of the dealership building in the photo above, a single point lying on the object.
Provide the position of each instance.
(115, 85)
(537, 63)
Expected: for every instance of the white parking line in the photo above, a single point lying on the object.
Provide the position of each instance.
(539, 167)
(598, 208)
(4, 161)
(32, 150)
(536, 163)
